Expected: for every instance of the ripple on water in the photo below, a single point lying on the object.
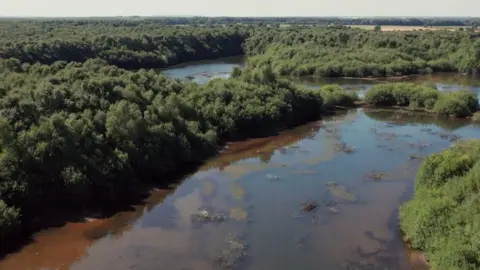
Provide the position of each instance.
(353, 226)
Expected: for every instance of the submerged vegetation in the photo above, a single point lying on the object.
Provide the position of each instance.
(443, 217)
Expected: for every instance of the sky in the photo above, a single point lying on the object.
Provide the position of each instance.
(316, 8)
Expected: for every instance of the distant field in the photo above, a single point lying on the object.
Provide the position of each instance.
(406, 28)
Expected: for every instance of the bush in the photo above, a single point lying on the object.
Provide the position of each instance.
(476, 117)
(381, 95)
(456, 104)
(334, 95)
(443, 217)
(9, 220)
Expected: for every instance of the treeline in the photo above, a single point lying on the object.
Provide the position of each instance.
(198, 20)
(131, 47)
(333, 51)
(75, 134)
(443, 217)
(345, 52)
(461, 103)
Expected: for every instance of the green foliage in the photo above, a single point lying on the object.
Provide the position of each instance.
(291, 51)
(476, 117)
(77, 133)
(348, 52)
(443, 217)
(130, 45)
(457, 104)
(381, 95)
(334, 95)
(9, 220)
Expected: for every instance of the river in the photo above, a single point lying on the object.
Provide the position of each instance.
(248, 207)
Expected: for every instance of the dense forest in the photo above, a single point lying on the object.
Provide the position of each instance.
(84, 117)
(345, 52)
(77, 133)
(130, 47)
(291, 51)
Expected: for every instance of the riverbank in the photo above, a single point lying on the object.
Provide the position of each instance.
(157, 127)
(324, 101)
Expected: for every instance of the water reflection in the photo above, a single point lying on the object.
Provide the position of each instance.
(352, 226)
(441, 81)
(202, 71)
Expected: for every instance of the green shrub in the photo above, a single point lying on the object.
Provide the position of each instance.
(425, 97)
(334, 95)
(402, 94)
(381, 95)
(440, 167)
(476, 117)
(443, 217)
(457, 104)
(9, 220)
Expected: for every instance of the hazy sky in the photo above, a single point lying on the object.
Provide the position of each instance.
(65, 8)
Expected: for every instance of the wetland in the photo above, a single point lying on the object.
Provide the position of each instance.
(294, 200)
(279, 166)
(283, 202)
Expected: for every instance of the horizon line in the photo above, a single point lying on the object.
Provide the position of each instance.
(220, 16)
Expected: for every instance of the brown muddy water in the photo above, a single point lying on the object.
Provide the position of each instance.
(322, 196)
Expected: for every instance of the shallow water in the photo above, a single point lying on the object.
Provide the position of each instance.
(259, 187)
(201, 72)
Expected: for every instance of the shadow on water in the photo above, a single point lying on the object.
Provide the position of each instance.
(69, 232)
(399, 117)
(391, 254)
(64, 239)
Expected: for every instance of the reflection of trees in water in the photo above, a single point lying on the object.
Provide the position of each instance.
(266, 157)
(386, 257)
(405, 117)
(238, 192)
(391, 254)
(262, 148)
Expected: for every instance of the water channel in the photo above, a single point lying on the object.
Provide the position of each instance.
(258, 192)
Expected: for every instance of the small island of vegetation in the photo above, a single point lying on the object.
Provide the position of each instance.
(461, 103)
